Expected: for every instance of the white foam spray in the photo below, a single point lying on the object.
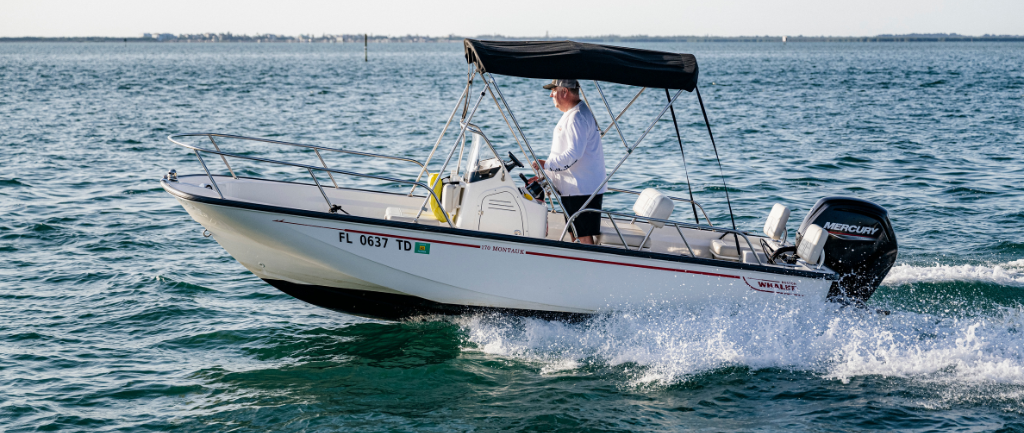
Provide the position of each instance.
(661, 347)
(1008, 274)
(962, 357)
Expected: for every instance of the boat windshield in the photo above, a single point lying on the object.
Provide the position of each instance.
(480, 169)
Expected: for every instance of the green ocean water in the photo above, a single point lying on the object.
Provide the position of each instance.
(116, 314)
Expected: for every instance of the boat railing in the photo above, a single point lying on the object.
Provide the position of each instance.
(330, 171)
(679, 199)
(316, 149)
(477, 131)
(679, 225)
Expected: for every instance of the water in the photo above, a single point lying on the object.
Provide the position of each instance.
(117, 315)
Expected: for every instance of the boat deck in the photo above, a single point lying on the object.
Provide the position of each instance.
(375, 204)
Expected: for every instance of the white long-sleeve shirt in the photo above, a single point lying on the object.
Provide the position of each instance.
(576, 163)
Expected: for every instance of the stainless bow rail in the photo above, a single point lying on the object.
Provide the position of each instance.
(330, 171)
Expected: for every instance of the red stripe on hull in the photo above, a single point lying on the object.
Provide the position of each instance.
(658, 268)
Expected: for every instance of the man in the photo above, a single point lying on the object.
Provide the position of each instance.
(576, 164)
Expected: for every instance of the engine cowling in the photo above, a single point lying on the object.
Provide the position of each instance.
(861, 245)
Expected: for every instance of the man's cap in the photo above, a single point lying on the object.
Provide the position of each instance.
(567, 83)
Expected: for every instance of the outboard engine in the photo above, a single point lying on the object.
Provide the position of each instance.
(861, 245)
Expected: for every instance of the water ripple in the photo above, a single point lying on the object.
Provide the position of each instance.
(119, 316)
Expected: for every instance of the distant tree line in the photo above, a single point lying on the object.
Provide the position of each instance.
(229, 37)
(377, 39)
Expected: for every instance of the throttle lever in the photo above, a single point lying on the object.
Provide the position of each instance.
(534, 188)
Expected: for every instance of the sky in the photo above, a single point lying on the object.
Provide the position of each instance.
(119, 18)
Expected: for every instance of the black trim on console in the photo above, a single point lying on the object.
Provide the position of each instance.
(495, 236)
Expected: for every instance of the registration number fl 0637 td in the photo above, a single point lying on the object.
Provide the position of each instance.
(382, 242)
(365, 240)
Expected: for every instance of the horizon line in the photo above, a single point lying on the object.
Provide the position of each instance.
(168, 36)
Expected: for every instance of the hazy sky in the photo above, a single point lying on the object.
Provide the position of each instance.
(512, 18)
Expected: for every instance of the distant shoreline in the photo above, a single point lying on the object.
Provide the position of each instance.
(230, 38)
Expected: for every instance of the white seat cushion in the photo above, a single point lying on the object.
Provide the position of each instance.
(811, 244)
(775, 226)
(724, 248)
(408, 216)
(678, 247)
(631, 233)
(683, 251)
(653, 204)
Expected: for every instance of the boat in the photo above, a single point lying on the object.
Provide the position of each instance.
(469, 236)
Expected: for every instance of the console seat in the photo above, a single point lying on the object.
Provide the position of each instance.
(409, 216)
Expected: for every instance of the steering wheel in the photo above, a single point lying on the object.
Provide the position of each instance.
(514, 162)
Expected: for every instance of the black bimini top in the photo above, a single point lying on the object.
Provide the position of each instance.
(577, 60)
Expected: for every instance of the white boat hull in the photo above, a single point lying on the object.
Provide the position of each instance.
(391, 269)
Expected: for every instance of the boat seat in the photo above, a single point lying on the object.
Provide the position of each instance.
(630, 232)
(775, 226)
(651, 204)
(812, 244)
(676, 246)
(409, 216)
(725, 248)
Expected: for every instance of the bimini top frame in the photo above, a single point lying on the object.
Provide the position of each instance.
(581, 61)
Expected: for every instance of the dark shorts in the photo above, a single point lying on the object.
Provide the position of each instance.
(588, 223)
